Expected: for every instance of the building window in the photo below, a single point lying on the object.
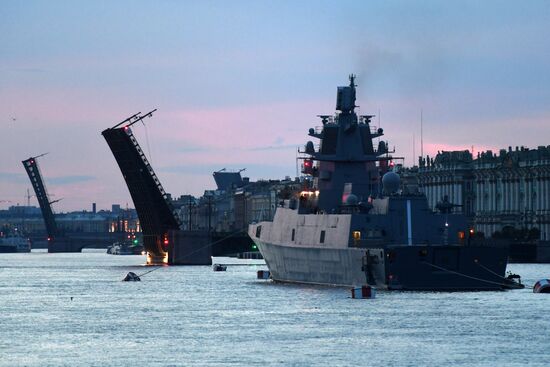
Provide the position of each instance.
(322, 239)
(293, 233)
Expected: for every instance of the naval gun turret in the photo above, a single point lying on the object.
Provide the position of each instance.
(445, 206)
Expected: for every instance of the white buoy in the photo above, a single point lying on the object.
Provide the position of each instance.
(542, 286)
(365, 291)
(263, 274)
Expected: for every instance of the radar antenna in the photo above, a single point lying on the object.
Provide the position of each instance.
(352, 80)
(324, 118)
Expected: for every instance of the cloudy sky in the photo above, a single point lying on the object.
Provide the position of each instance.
(237, 84)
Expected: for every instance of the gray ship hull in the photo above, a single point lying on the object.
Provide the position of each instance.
(310, 265)
(426, 268)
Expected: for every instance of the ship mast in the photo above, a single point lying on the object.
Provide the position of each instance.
(348, 161)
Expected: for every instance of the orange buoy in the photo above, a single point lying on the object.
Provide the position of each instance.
(263, 274)
(365, 291)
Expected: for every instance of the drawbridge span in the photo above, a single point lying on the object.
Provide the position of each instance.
(57, 242)
(154, 209)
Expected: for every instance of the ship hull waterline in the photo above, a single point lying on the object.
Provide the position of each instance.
(410, 268)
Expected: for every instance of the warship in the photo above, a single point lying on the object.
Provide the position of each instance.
(353, 224)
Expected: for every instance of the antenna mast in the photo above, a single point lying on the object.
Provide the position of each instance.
(414, 152)
(421, 135)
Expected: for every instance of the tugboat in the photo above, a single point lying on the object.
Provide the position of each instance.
(129, 246)
(353, 225)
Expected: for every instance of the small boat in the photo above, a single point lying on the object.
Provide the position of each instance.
(219, 267)
(125, 248)
(513, 281)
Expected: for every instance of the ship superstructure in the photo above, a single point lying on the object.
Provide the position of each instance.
(353, 225)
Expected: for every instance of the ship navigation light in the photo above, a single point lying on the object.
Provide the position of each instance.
(307, 167)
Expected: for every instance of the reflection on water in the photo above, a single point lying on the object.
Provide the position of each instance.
(73, 309)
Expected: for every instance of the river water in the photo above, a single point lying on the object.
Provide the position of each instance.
(73, 310)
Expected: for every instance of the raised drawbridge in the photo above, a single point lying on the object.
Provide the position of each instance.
(57, 242)
(153, 206)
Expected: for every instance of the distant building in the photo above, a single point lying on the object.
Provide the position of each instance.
(29, 220)
(234, 204)
(498, 192)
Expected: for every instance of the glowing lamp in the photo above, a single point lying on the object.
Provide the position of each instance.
(308, 167)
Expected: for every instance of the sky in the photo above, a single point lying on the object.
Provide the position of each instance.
(237, 84)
